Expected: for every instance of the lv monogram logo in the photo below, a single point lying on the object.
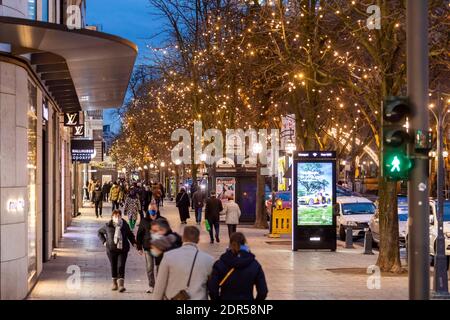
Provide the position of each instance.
(79, 130)
(71, 119)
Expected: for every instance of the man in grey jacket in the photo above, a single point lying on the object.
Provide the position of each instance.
(175, 269)
(198, 201)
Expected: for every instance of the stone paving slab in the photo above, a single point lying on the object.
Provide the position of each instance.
(290, 275)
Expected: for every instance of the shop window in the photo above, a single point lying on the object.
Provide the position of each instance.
(32, 180)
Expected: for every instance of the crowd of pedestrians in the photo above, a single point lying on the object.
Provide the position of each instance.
(176, 268)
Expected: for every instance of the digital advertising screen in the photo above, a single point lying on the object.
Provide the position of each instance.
(225, 187)
(314, 193)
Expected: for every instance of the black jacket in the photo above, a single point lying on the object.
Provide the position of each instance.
(143, 236)
(106, 234)
(98, 196)
(182, 200)
(239, 285)
(212, 209)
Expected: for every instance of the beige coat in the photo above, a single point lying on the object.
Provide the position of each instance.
(232, 212)
(173, 273)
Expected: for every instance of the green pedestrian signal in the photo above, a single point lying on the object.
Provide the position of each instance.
(396, 164)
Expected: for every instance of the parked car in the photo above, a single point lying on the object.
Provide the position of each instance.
(284, 196)
(374, 223)
(354, 212)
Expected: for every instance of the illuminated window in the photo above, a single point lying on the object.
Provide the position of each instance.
(45, 8)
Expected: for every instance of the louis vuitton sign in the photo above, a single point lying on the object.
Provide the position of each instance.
(71, 119)
(78, 131)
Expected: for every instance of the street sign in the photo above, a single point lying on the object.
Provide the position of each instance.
(314, 200)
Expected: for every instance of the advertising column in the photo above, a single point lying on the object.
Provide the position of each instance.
(314, 199)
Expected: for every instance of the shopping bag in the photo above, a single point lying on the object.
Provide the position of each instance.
(207, 226)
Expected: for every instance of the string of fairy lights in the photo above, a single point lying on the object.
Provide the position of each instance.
(244, 66)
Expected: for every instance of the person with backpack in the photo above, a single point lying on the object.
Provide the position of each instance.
(182, 203)
(116, 236)
(237, 273)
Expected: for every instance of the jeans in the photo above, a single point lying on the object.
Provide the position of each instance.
(231, 229)
(98, 208)
(214, 226)
(150, 266)
(115, 204)
(118, 260)
(198, 214)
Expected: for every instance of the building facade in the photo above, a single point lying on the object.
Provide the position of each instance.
(41, 77)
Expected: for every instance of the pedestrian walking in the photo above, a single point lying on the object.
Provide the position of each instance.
(143, 241)
(232, 214)
(132, 207)
(114, 195)
(91, 190)
(182, 203)
(98, 200)
(237, 273)
(105, 191)
(213, 208)
(86, 190)
(145, 196)
(184, 272)
(163, 194)
(193, 189)
(116, 236)
(198, 202)
(156, 193)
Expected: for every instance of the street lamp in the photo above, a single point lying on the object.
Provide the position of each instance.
(257, 148)
(440, 266)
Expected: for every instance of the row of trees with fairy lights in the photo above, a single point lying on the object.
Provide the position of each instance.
(244, 64)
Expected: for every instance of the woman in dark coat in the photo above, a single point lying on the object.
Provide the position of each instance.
(116, 236)
(98, 200)
(183, 203)
(236, 273)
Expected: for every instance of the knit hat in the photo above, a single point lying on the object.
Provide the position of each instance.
(164, 243)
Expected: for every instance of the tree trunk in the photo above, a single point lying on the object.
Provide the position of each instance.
(261, 219)
(389, 256)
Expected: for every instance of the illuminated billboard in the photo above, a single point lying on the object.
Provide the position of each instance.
(314, 193)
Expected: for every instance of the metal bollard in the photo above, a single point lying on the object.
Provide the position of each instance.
(368, 241)
(348, 237)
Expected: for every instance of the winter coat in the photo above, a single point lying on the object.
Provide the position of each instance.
(114, 193)
(106, 234)
(132, 207)
(198, 199)
(232, 212)
(239, 285)
(156, 192)
(212, 209)
(182, 201)
(105, 188)
(143, 236)
(173, 274)
(98, 196)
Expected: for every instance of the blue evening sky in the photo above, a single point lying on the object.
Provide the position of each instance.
(130, 19)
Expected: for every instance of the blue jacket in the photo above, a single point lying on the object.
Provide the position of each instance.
(239, 285)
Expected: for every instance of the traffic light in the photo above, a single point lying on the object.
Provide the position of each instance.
(396, 162)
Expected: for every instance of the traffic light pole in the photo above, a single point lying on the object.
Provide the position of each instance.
(417, 71)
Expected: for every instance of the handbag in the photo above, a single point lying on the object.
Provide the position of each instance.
(183, 294)
(178, 202)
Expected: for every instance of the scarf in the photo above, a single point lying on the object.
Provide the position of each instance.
(118, 241)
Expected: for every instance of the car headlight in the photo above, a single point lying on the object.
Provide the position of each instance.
(447, 234)
(352, 223)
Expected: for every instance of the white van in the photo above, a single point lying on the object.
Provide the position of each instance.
(355, 212)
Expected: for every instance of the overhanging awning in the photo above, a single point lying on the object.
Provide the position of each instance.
(82, 68)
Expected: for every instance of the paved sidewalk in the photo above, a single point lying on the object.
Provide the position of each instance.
(290, 275)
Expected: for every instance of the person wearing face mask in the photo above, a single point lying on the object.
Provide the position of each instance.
(236, 273)
(143, 239)
(116, 236)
